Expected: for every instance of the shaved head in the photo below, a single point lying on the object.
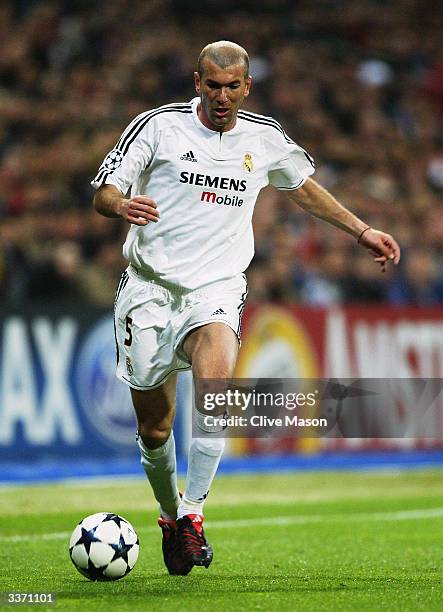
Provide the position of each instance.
(222, 81)
(224, 53)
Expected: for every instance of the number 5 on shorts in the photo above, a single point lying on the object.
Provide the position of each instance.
(128, 339)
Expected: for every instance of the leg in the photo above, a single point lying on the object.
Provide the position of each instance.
(155, 412)
(212, 349)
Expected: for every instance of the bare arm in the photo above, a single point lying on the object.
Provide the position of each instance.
(318, 202)
(139, 210)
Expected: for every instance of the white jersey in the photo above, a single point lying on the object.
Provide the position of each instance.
(205, 184)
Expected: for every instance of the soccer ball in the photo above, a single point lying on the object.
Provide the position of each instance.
(104, 546)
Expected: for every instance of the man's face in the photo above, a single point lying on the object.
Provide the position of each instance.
(222, 91)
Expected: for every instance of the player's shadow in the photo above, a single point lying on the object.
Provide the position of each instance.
(160, 585)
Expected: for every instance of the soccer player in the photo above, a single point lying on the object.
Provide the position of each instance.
(193, 172)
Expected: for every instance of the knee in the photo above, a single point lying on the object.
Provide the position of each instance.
(153, 436)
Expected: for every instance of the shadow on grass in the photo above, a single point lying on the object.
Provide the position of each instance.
(161, 585)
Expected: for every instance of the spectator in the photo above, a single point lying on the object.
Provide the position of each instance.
(354, 82)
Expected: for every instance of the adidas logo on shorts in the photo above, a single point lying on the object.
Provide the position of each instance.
(189, 156)
(218, 311)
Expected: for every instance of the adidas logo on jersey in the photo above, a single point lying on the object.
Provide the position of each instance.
(218, 311)
(189, 156)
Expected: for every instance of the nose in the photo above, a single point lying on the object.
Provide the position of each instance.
(222, 95)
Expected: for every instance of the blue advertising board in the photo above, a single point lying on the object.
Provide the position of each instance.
(59, 397)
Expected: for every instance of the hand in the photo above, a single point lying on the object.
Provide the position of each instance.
(382, 246)
(139, 210)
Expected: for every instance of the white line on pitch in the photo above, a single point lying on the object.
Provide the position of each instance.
(401, 515)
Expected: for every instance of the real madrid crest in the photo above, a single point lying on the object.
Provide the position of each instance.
(129, 367)
(248, 166)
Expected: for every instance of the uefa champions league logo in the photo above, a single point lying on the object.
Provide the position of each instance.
(113, 160)
(105, 400)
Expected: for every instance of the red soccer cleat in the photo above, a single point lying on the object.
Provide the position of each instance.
(172, 551)
(190, 533)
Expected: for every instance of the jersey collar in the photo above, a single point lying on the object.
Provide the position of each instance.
(194, 103)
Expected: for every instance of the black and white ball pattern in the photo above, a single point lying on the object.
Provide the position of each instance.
(104, 546)
(113, 160)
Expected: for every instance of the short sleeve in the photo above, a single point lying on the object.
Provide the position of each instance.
(290, 164)
(123, 165)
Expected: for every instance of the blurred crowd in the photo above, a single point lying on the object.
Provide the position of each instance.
(358, 83)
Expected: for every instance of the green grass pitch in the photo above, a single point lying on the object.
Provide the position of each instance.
(309, 541)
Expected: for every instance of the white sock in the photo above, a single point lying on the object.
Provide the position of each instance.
(204, 457)
(160, 466)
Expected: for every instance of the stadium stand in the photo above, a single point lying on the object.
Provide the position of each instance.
(359, 84)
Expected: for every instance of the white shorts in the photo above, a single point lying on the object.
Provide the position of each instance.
(151, 323)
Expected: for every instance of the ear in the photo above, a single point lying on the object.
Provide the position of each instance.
(197, 82)
(248, 84)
